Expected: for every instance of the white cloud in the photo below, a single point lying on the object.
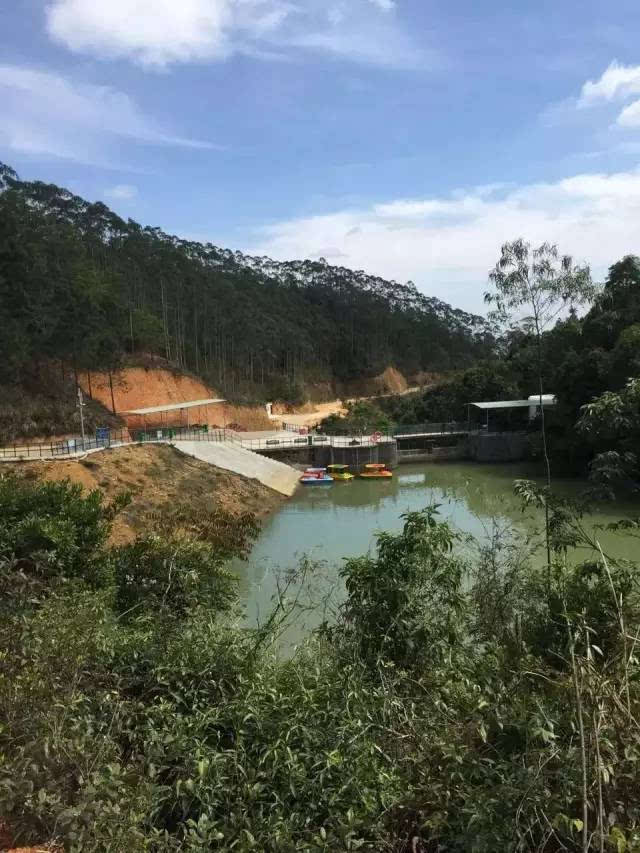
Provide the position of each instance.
(448, 244)
(630, 116)
(385, 5)
(122, 192)
(405, 209)
(618, 81)
(161, 32)
(152, 31)
(45, 113)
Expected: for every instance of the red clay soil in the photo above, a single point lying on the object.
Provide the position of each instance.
(390, 381)
(158, 477)
(143, 387)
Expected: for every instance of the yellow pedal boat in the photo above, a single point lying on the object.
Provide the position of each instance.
(340, 472)
(375, 471)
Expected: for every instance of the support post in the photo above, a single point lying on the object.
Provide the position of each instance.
(81, 406)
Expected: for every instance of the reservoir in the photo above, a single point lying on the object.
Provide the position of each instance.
(322, 525)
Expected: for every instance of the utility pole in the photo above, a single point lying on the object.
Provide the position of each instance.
(81, 405)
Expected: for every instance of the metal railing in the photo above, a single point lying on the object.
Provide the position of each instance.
(431, 428)
(312, 440)
(74, 446)
(290, 437)
(69, 447)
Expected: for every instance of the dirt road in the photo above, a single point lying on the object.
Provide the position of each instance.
(334, 407)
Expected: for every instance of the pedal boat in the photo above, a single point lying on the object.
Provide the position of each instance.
(316, 477)
(340, 472)
(375, 471)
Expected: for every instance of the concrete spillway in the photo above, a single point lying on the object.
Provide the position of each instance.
(224, 454)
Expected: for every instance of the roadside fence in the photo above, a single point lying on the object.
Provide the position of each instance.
(291, 436)
(431, 428)
(74, 446)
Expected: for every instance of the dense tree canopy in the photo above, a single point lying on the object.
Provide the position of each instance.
(79, 284)
(588, 362)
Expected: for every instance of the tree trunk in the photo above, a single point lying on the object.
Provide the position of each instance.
(547, 462)
(113, 402)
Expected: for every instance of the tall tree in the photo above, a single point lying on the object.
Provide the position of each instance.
(241, 322)
(532, 289)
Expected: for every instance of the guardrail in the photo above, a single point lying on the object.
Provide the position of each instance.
(431, 428)
(58, 449)
(74, 446)
(299, 442)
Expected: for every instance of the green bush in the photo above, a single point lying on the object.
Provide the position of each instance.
(362, 418)
(174, 575)
(457, 704)
(51, 530)
(405, 604)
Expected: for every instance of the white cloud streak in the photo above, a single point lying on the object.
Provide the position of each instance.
(158, 33)
(618, 81)
(46, 113)
(122, 192)
(447, 245)
(384, 5)
(630, 115)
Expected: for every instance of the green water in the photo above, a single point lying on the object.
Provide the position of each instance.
(329, 523)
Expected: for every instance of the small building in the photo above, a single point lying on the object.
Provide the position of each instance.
(498, 413)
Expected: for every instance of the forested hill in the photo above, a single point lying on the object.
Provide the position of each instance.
(81, 285)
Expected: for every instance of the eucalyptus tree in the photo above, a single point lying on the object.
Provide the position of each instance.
(532, 289)
(238, 321)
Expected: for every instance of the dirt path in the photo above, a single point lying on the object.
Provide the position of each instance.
(334, 407)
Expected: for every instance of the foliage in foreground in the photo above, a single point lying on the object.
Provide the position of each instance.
(457, 705)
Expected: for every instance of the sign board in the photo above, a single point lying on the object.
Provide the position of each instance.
(103, 435)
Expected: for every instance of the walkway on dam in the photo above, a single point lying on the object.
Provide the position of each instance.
(239, 452)
(263, 440)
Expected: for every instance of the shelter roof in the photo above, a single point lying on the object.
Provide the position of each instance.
(513, 404)
(171, 407)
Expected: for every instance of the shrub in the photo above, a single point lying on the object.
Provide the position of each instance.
(51, 530)
(362, 418)
(170, 575)
(447, 710)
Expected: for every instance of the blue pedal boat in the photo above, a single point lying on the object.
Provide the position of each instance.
(316, 477)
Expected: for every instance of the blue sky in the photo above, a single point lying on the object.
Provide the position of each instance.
(409, 138)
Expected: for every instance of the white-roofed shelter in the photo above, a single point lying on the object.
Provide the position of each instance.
(532, 403)
(172, 414)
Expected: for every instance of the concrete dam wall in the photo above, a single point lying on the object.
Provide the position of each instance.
(497, 447)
